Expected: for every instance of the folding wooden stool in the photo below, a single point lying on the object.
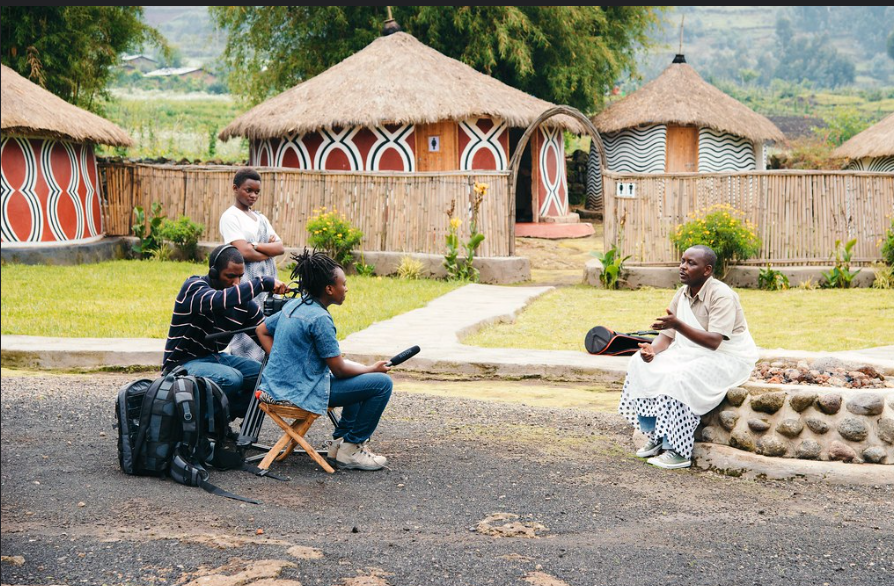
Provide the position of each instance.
(293, 436)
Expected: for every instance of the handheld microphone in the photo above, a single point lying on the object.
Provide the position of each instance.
(403, 356)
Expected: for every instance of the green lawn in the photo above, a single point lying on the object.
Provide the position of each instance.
(134, 299)
(796, 319)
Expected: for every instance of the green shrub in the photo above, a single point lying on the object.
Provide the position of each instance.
(722, 228)
(772, 280)
(183, 233)
(149, 232)
(884, 276)
(841, 275)
(332, 233)
(409, 268)
(888, 246)
(612, 267)
(363, 269)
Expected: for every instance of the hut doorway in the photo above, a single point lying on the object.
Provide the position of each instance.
(524, 207)
(682, 149)
(521, 150)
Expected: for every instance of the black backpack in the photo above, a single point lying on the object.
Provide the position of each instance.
(178, 425)
(605, 342)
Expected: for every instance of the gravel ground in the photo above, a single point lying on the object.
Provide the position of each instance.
(588, 512)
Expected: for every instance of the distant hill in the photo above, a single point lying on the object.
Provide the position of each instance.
(741, 43)
(190, 30)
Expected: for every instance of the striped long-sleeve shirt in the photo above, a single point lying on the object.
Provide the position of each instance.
(201, 310)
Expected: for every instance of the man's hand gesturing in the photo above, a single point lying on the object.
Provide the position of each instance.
(646, 352)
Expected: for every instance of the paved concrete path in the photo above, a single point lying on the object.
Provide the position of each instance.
(437, 328)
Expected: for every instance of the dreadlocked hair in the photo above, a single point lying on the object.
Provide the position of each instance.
(313, 271)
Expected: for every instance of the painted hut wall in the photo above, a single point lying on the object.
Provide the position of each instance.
(548, 172)
(50, 191)
(875, 164)
(483, 145)
(719, 152)
(595, 196)
(636, 150)
(385, 148)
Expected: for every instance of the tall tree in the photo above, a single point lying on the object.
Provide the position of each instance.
(70, 50)
(563, 54)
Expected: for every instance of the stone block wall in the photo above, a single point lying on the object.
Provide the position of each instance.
(811, 423)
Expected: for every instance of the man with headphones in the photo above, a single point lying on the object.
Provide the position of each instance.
(214, 303)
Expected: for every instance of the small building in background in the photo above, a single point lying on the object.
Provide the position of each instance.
(198, 73)
(140, 63)
(400, 106)
(872, 149)
(50, 182)
(679, 123)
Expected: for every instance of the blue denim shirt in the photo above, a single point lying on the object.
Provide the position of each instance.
(303, 338)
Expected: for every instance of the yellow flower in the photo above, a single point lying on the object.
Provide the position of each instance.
(455, 223)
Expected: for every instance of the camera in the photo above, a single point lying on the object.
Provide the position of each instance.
(274, 303)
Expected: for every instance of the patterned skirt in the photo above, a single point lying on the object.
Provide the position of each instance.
(673, 420)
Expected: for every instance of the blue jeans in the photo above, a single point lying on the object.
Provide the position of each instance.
(363, 398)
(647, 426)
(235, 375)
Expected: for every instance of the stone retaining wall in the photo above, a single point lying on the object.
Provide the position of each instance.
(811, 423)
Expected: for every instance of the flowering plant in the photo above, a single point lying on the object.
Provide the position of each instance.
(461, 269)
(722, 228)
(332, 233)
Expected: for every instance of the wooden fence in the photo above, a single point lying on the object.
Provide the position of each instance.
(799, 214)
(403, 212)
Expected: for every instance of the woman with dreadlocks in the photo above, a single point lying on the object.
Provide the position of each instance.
(305, 366)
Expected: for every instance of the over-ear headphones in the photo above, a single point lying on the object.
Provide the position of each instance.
(212, 269)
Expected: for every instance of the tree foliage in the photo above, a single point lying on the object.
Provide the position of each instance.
(70, 50)
(810, 57)
(563, 54)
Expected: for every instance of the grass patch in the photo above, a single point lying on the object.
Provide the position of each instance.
(818, 320)
(134, 299)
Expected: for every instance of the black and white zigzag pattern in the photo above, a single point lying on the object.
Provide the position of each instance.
(875, 165)
(636, 150)
(721, 151)
(594, 180)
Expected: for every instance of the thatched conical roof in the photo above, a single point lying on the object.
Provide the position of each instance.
(394, 80)
(29, 110)
(875, 141)
(680, 96)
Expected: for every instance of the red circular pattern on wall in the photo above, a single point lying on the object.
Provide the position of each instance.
(48, 194)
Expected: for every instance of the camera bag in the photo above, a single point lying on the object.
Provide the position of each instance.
(606, 342)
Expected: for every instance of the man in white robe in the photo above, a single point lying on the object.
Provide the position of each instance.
(703, 349)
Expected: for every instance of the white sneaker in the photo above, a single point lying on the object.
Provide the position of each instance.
(330, 447)
(670, 460)
(358, 457)
(650, 449)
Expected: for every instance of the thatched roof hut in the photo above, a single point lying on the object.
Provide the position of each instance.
(681, 97)
(875, 141)
(394, 80)
(29, 110)
(52, 189)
